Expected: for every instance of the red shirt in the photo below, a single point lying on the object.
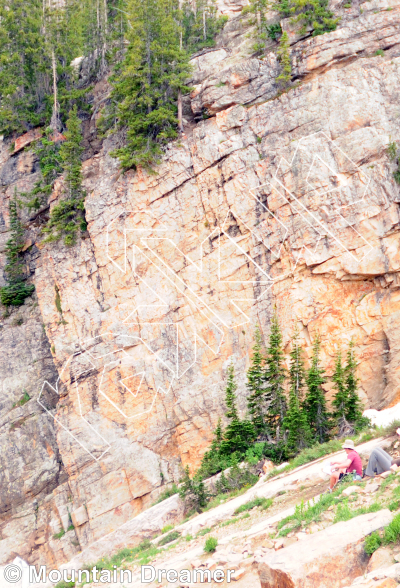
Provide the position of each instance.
(356, 463)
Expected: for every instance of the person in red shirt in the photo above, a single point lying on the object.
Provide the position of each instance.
(353, 463)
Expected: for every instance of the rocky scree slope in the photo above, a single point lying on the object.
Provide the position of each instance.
(293, 200)
(257, 539)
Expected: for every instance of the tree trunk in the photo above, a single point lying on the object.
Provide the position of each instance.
(55, 122)
(180, 117)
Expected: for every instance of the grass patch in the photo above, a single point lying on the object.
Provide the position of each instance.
(59, 534)
(203, 532)
(169, 538)
(391, 534)
(210, 545)
(345, 513)
(167, 493)
(308, 513)
(166, 529)
(235, 520)
(263, 502)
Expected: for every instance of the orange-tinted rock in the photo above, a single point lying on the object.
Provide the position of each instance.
(27, 139)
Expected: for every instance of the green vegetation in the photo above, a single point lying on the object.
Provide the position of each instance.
(312, 15)
(259, 8)
(23, 400)
(67, 217)
(283, 53)
(276, 429)
(16, 290)
(169, 538)
(167, 528)
(372, 543)
(394, 156)
(167, 493)
(391, 534)
(314, 402)
(210, 545)
(59, 534)
(200, 25)
(295, 422)
(380, 52)
(265, 503)
(203, 532)
(147, 85)
(347, 406)
(48, 154)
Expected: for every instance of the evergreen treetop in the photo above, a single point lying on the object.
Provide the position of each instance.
(16, 290)
(315, 402)
(275, 374)
(354, 405)
(152, 74)
(67, 217)
(256, 384)
(295, 421)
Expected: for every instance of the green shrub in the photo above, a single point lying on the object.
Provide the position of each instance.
(372, 543)
(166, 529)
(168, 493)
(394, 505)
(64, 584)
(210, 545)
(59, 534)
(170, 537)
(380, 52)
(392, 531)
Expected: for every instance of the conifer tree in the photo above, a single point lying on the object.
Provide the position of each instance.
(341, 398)
(314, 402)
(152, 75)
(259, 9)
(256, 385)
(200, 24)
(16, 290)
(295, 422)
(354, 406)
(275, 375)
(67, 217)
(283, 52)
(239, 434)
(348, 408)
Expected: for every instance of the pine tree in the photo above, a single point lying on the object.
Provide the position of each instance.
(152, 75)
(259, 9)
(341, 399)
(275, 375)
(295, 422)
(16, 290)
(67, 217)
(38, 40)
(314, 402)
(354, 406)
(200, 24)
(238, 435)
(256, 384)
(283, 52)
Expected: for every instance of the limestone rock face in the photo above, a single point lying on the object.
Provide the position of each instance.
(282, 200)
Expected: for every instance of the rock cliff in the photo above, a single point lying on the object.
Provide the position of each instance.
(270, 198)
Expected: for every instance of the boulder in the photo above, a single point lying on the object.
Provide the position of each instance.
(310, 563)
(382, 558)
